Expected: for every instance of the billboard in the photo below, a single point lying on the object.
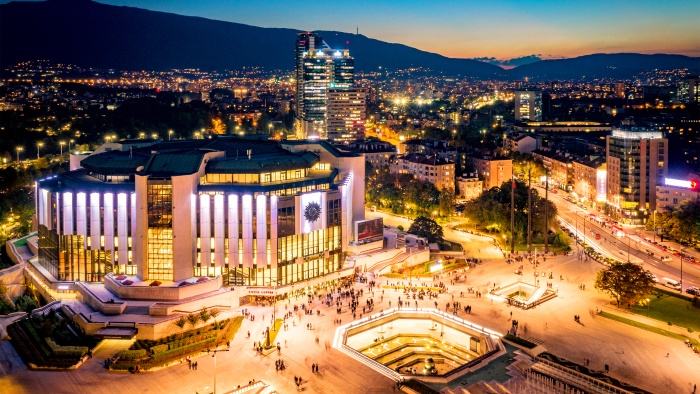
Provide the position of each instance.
(370, 228)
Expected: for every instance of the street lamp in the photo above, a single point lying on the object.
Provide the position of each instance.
(142, 135)
(38, 149)
(170, 133)
(648, 306)
(269, 128)
(681, 255)
(19, 149)
(69, 143)
(214, 357)
(61, 143)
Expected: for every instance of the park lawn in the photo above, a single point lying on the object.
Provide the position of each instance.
(672, 309)
(649, 328)
(522, 247)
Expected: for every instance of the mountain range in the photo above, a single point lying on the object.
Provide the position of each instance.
(91, 34)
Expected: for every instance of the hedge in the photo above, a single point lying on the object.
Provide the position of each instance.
(184, 349)
(159, 348)
(66, 351)
(132, 354)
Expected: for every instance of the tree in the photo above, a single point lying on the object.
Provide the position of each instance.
(214, 312)
(181, 322)
(26, 303)
(193, 319)
(426, 228)
(625, 282)
(204, 315)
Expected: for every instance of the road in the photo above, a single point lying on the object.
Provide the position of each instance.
(619, 247)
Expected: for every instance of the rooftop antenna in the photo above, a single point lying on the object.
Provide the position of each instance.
(357, 32)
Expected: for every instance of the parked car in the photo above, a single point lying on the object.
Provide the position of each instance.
(693, 291)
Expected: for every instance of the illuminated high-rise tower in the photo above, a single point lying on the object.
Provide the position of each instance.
(528, 105)
(318, 69)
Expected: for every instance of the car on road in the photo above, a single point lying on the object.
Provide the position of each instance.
(693, 291)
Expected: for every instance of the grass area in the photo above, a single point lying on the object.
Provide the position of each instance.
(671, 308)
(649, 328)
(273, 333)
(522, 247)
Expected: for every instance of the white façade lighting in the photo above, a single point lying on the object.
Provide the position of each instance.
(680, 183)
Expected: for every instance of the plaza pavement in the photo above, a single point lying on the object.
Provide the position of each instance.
(634, 355)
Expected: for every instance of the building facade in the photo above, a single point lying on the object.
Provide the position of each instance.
(493, 171)
(590, 180)
(346, 114)
(675, 191)
(430, 168)
(252, 212)
(321, 75)
(528, 105)
(469, 187)
(637, 161)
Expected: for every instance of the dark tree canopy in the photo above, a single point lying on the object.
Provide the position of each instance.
(426, 228)
(625, 282)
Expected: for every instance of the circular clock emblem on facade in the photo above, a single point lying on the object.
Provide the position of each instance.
(312, 211)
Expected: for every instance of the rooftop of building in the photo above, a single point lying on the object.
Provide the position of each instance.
(418, 158)
(162, 159)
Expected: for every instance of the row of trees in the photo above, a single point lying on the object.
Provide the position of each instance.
(193, 319)
(492, 212)
(404, 194)
(681, 224)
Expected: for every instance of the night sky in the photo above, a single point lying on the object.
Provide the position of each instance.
(465, 28)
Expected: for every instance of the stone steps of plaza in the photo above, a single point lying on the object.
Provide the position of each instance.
(573, 378)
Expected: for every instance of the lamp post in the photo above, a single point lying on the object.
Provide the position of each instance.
(214, 357)
(269, 128)
(648, 306)
(681, 255)
(38, 149)
(61, 143)
(170, 134)
(18, 149)
(69, 144)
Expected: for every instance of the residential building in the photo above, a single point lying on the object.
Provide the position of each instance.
(637, 161)
(376, 152)
(493, 171)
(346, 114)
(528, 105)
(675, 191)
(523, 143)
(469, 186)
(559, 165)
(431, 168)
(246, 213)
(689, 90)
(590, 179)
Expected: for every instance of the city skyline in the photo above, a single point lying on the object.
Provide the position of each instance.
(507, 30)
